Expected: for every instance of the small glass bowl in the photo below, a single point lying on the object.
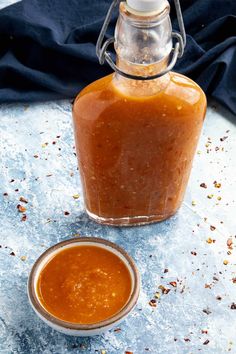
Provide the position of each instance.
(74, 328)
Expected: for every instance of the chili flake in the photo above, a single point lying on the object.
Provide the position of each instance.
(212, 228)
(173, 283)
(12, 254)
(117, 329)
(23, 200)
(224, 138)
(229, 243)
(163, 289)
(207, 286)
(218, 297)
(5, 194)
(153, 303)
(24, 217)
(203, 185)
(21, 208)
(233, 306)
(234, 280)
(66, 213)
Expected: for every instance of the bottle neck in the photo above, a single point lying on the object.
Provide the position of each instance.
(143, 44)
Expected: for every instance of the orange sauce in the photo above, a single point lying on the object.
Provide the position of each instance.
(135, 150)
(84, 284)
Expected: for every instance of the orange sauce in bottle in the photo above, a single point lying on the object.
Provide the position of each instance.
(84, 285)
(135, 150)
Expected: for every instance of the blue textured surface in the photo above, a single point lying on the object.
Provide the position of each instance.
(46, 175)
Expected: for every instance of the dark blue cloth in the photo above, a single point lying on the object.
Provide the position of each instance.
(47, 48)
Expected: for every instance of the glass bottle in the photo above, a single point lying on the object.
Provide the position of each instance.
(136, 139)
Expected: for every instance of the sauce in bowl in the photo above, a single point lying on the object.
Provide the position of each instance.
(84, 284)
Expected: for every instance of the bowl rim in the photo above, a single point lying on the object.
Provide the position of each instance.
(38, 307)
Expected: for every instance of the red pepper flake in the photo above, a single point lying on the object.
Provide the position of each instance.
(173, 283)
(23, 200)
(212, 228)
(117, 329)
(21, 208)
(233, 306)
(153, 303)
(207, 286)
(36, 156)
(203, 185)
(187, 340)
(193, 253)
(229, 243)
(164, 290)
(24, 217)
(49, 175)
(54, 142)
(127, 352)
(58, 136)
(12, 254)
(234, 280)
(16, 190)
(218, 297)
(12, 180)
(207, 311)
(223, 138)
(204, 331)
(166, 270)
(206, 342)
(66, 213)
(5, 194)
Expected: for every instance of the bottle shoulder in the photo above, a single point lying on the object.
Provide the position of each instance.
(178, 89)
(183, 88)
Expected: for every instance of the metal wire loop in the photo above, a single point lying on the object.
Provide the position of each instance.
(177, 52)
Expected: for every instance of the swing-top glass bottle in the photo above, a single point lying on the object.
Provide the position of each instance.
(136, 139)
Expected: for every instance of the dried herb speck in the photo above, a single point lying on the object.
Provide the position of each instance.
(233, 306)
(206, 311)
(206, 342)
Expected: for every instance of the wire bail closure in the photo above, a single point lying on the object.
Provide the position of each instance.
(178, 50)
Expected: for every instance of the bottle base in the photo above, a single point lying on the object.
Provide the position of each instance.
(129, 220)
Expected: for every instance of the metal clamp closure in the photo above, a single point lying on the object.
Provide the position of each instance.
(177, 52)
